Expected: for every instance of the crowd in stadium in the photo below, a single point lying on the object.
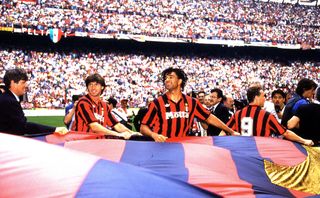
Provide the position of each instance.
(248, 21)
(55, 77)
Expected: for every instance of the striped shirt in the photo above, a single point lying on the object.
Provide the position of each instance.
(173, 119)
(254, 121)
(87, 112)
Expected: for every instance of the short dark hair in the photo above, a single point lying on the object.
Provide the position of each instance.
(252, 92)
(16, 75)
(113, 102)
(305, 84)
(95, 78)
(200, 92)
(76, 97)
(278, 91)
(218, 91)
(179, 72)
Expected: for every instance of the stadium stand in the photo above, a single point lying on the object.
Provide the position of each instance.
(249, 22)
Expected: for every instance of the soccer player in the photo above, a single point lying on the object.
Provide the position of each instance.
(254, 121)
(172, 114)
(94, 115)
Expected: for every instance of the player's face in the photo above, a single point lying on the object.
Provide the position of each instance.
(94, 89)
(172, 81)
(19, 88)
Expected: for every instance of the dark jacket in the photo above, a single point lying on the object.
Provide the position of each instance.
(222, 113)
(13, 120)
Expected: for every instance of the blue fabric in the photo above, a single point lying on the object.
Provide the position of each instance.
(108, 179)
(162, 158)
(250, 165)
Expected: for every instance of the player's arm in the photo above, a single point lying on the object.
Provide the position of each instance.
(98, 128)
(68, 117)
(213, 120)
(294, 137)
(145, 130)
(121, 128)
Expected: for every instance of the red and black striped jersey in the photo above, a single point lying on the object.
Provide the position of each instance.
(87, 112)
(172, 119)
(254, 121)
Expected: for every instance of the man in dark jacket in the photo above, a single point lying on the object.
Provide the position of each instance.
(12, 118)
(219, 110)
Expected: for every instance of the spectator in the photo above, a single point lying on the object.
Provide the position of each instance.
(278, 99)
(121, 117)
(207, 101)
(229, 103)
(219, 110)
(304, 92)
(307, 120)
(69, 111)
(141, 113)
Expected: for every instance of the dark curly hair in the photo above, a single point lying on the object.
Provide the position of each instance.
(179, 72)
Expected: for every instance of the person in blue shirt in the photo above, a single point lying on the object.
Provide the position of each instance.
(69, 111)
(303, 95)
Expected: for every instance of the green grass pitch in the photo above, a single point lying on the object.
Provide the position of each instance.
(55, 121)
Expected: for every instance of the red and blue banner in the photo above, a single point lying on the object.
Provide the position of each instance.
(188, 167)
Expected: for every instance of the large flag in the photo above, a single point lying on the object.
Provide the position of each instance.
(55, 34)
(30, 168)
(202, 166)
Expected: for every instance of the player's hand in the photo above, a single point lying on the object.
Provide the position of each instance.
(136, 133)
(235, 133)
(222, 133)
(61, 130)
(125, 135)
(308, 143)
(159, 138)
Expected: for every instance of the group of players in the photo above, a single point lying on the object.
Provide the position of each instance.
(170, 115)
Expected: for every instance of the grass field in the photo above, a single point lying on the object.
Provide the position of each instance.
(55, 121)
(47, 120)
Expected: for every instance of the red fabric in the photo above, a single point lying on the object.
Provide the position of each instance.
(210, 172)
(99, 148)
(293, 155)
(193, 139)
(25, 174)
(71, 136)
